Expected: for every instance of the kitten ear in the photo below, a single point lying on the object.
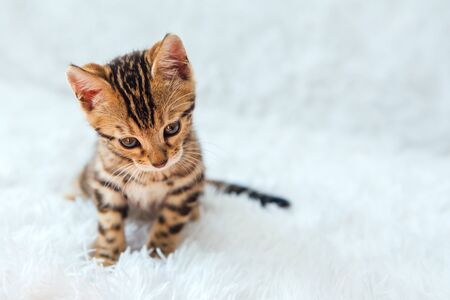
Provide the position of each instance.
(87, 84)
(171, 59)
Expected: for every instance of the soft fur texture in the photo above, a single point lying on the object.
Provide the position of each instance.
(348, 101)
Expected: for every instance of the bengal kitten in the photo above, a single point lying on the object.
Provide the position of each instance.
(147, 156)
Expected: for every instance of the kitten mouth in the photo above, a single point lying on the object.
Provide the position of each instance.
(150, 168)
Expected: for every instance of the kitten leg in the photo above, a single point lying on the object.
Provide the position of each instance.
(176, 212)
(112, 210)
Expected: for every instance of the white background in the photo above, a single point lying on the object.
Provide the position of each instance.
(341, 106)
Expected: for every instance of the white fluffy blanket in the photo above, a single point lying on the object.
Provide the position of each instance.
(342, 106)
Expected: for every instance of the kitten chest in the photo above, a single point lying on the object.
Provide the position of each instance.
(147, 197)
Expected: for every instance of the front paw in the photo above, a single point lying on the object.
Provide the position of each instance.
(160, 249)
(103, 259)
(106, 255)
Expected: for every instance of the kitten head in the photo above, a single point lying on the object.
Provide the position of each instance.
(141, 103)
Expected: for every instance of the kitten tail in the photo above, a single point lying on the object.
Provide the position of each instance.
(264, 199)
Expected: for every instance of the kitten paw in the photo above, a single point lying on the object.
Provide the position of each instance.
(160, 249)
(106, 256)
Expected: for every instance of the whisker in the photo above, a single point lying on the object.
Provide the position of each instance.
(174, 103)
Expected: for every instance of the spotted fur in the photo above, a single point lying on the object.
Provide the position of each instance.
(138, 96)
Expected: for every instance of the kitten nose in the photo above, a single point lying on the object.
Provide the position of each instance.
(160, 164)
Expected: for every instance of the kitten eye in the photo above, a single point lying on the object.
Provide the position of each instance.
(172, 129)
(129, 142)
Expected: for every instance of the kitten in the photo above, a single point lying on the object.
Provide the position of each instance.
(147, 155)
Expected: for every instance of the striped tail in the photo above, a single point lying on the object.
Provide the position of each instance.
(264, 199)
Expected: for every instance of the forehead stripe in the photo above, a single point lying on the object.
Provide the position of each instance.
(147, 88)
(129, 82)
(142, 94)
(117, 86)
(129, 78)
(140, 77)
